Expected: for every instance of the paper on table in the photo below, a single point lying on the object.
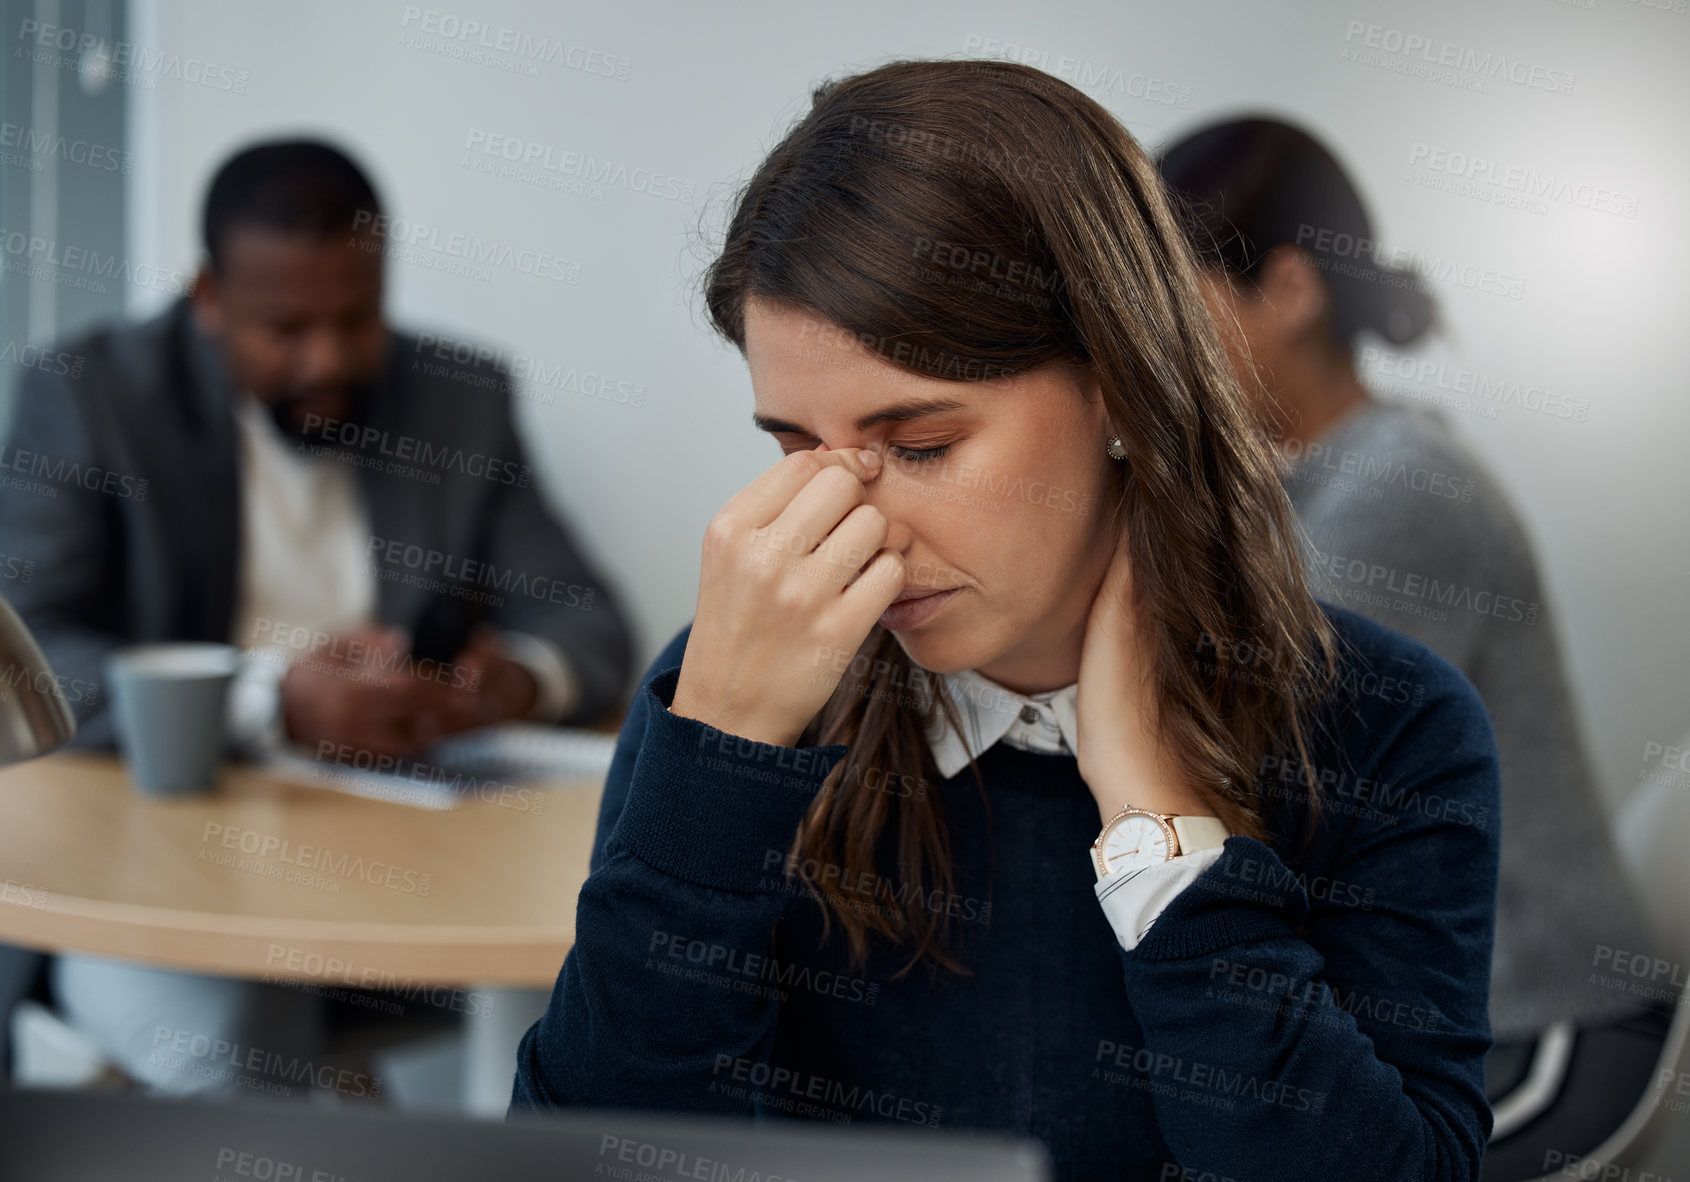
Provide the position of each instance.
(528, 751)
(459, 768)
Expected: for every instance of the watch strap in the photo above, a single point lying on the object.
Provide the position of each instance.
(1199, 833)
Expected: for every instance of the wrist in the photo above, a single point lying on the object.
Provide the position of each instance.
(524, 690)
(1122, 781)
(288, 704)
(729, 722)
(1113, 796)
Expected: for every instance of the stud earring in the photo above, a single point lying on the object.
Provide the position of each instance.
(1116, 450)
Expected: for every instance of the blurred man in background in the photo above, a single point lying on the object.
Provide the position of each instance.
(268, 464)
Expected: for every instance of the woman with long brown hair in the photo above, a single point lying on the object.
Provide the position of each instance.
(1021, 613)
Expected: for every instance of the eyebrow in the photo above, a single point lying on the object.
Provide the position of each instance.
(901, 412)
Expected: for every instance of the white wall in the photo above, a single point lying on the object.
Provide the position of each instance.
(1601, 315)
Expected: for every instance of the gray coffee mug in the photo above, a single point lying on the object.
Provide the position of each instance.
(168, 704)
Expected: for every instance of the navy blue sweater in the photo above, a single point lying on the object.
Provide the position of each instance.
(1303, 1013)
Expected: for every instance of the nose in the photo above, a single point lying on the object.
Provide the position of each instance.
(326, 357)
(884, 493)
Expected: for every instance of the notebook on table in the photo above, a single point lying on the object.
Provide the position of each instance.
(457, 769)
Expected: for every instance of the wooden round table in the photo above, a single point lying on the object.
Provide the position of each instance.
(274, 881)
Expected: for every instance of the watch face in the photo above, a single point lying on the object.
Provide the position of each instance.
(1133, 842)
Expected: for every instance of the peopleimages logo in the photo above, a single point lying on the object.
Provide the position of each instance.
(22, 894)
(309, 857)
(1401, 268)
(1418, 54)
(84, 268)
(461, 36)
(332, 649)
(70, 474)
(470, 364)
(546, 158)
(774, 1084)
(1486, 389)
(191, 1053)
(43, 682)
(125, 60)
(48, 361)
(52, 145)
(467, 248)
(669, 1163)
(317, 968)
(1380, 470)
(1083, 74)
(395, 553)
(1535, 188)
(729, 963)
(1420, 589)
(13, 567)
(412, 450)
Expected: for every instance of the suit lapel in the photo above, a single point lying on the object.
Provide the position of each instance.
(403, 509)
(213, 530)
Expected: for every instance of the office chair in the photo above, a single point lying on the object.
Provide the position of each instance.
(1652, 833)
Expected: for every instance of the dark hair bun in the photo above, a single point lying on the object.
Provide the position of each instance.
(1247, 186)
(1391, 301)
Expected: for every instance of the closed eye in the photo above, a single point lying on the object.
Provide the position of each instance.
(920, 455)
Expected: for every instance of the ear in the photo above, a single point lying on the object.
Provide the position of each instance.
(207, 297)
(1090, 384)
(1294, 288)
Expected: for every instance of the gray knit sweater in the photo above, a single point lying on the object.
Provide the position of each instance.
(1407, 528)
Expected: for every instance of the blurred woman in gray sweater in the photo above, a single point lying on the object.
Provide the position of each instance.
(1405, 526)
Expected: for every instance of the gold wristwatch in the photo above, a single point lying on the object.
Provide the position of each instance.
(1135, 838)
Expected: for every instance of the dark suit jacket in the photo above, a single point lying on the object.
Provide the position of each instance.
(120, 511)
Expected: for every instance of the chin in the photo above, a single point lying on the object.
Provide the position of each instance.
(324, 408)
(950, 647)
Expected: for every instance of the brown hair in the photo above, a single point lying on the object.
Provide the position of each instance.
(974, 219)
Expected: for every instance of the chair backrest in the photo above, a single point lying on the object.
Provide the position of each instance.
(1652, 833)
(1637, 1144)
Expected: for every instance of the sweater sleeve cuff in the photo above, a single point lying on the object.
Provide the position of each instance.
(1248, 895)
(711, 808)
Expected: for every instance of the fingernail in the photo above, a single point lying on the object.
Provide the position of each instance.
(870, 459)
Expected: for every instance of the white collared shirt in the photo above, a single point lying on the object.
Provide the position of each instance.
(305, 564)
(1047, 722)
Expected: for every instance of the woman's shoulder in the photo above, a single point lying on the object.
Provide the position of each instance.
(1368, 651)
(1400, 743)
(1399, 713)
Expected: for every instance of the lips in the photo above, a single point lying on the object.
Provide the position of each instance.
(914, 608)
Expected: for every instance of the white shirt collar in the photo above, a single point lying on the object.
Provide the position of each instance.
(988, 712)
